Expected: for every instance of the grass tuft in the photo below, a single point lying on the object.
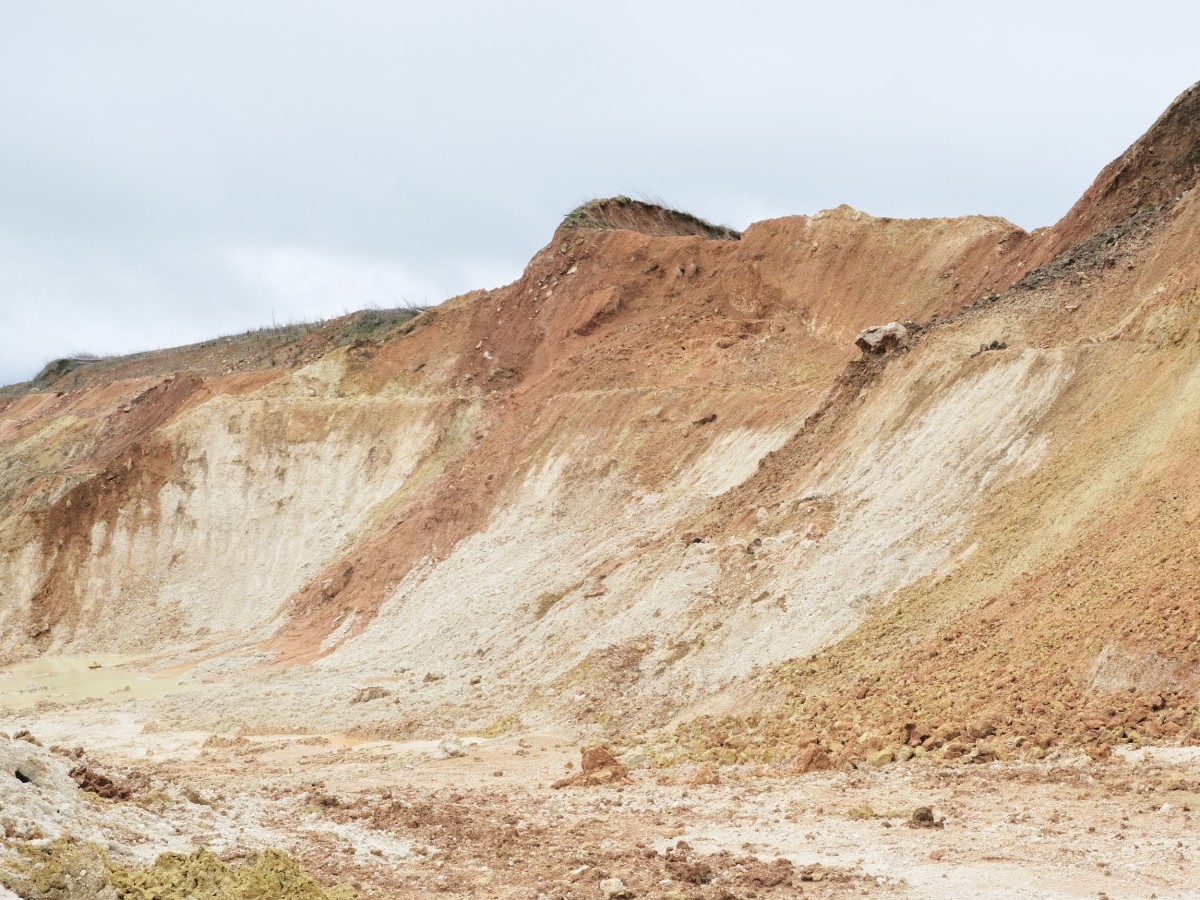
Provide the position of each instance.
(645, 216)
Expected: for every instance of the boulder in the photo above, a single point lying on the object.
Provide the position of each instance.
(882, 338)
(449, 747)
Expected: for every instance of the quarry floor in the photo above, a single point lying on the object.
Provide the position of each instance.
(404, 819)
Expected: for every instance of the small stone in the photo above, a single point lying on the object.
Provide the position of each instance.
(812, 759)
(706, 774)
(450, 747)
(369, 693)
(614, 889)
(923, 817)
(881, 758)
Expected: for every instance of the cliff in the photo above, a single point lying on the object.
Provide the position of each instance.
(653, 484)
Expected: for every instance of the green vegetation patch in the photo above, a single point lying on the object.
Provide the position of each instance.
(648, 218)
(500, 727)
(57, 368)
(64, 870)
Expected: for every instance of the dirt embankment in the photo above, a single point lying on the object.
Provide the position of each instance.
(653, 479)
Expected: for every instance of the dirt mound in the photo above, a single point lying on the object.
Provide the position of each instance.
(597, 766)
(99, 784)
(647, 218)
(576, 845)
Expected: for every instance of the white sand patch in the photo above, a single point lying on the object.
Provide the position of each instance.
(520, 600)
(20, 572)
(902, 504)
(263, 496)
(729, 460)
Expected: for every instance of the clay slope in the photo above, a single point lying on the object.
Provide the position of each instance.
(653, 483)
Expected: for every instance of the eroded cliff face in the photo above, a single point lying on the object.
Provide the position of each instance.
(654, 479)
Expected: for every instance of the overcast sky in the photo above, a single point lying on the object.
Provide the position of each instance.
(171, 171)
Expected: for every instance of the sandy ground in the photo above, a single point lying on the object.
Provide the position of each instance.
(403, 819)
